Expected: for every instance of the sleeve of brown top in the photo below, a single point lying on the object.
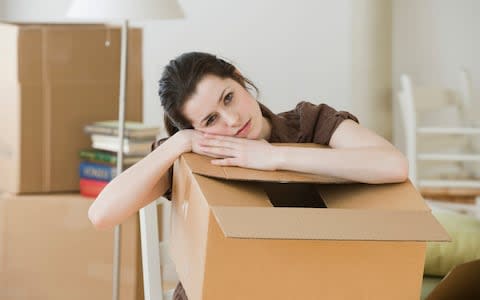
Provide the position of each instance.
(319, 122)
(168, 193)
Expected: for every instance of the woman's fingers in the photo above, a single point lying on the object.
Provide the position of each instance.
(203, 150)
(218, 151)
(232, 151)
(218, 142)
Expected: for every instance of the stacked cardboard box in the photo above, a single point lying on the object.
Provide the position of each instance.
(49, 250)
(55, 79)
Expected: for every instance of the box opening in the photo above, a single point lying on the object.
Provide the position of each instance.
(293, 195)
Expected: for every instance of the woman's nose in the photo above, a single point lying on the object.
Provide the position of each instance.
(232, 118)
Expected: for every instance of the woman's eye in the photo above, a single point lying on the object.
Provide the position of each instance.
(211, 119)
(228, 98)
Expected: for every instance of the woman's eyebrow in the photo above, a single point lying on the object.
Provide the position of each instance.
(219, 100)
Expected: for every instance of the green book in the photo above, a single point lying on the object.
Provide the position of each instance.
(136, 130)
(106, 157)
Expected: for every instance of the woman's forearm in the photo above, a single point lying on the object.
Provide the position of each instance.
(135, 187)
(364, 164)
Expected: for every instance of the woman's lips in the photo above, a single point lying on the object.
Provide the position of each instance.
(242, 132)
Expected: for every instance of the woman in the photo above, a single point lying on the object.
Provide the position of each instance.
(209, 110)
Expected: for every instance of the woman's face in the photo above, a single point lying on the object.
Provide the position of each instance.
(223, 107)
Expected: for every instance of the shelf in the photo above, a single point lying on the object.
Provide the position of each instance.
(449, 183)
(449, 130)
(448, 157)
(449, 191)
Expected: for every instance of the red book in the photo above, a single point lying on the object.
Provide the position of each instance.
(91, 187)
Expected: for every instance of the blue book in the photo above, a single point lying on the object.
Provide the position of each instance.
(90, 170)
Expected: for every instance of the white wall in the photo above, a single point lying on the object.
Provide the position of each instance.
(372, 64)
(432, 39)
(33, 10)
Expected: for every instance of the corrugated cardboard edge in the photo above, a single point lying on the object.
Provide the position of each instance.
(328, 224)
(200, 164)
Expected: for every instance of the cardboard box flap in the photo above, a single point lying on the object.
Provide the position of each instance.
(200, 164)
(391, 196)
(328, 224)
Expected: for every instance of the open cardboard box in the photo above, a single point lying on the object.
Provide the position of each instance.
(229, 241)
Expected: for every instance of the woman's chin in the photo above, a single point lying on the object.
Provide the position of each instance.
(254, 135)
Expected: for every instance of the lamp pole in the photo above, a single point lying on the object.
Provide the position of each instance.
(121, 130)
(125, 10)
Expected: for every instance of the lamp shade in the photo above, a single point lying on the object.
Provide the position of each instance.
(124, 9)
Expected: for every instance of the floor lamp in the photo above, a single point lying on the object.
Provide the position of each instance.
(124, 10)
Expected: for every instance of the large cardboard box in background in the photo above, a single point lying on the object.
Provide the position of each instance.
(54, 80)
(229, 242)
(460, 283)
(50, 250)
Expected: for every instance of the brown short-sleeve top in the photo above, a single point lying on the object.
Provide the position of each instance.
(306, 123)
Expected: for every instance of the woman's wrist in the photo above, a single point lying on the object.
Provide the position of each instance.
(182, 141)
(279, 156)
(169, 150)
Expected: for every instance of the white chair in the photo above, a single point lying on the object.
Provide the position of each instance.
(154, 255)
(459, 134)
(466, 96)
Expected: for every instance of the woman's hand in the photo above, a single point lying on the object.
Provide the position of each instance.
(241, 152)
(189, 140)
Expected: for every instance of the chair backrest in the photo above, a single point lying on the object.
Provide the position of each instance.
(409, 117)
(151, 253)
(431, 107)
(465, 94)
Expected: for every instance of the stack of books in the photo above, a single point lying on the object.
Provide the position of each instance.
(99, 163)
